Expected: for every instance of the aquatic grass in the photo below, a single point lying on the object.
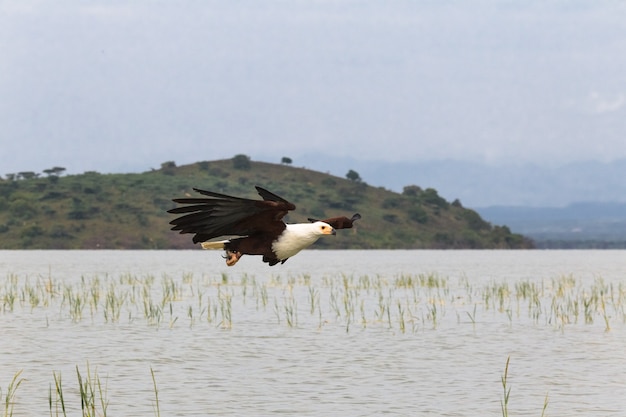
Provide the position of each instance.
(350, 298)
(432, 313)
(472, 315)
(244, 287)
(314, 297)
(75, 302)
(171, 290)
(335, 296)
(173, 319)
(397, 305)
(291, 312)
(264, 296)
(92, 394)
(157, 410)
(405, 302)
(363, 314)
(382, 307)
(605, 316)
(504, 403)
(506, 392)
(187, 278)
(545, 406)
(113, 302)
(225, 302)
(9, 293)
(34, 294)
(401, 321)
(94, 400)
(58, 396)
(190, 315)
(277, 310)
(9, 397)
(211, 311)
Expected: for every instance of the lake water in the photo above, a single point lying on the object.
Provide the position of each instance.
(329, 333)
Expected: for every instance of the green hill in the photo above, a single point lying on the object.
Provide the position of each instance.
(128, 211)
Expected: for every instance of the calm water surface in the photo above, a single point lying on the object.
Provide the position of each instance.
(445, 359)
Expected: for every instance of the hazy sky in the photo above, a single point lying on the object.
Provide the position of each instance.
(121, 86)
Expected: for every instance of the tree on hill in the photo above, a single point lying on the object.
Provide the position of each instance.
(53, 171)
(286, 160)
(27, 175)
(352, 175)
(168, 168)
(430, 196)
(412, 190)
(241, 162)
(57, 170)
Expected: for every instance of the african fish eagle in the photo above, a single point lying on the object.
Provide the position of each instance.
(252, 227)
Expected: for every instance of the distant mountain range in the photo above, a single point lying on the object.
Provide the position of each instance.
(573, 205)
(482, 185)
(578, 222)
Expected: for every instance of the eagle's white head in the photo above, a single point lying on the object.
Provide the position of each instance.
(322, 228)
(299, 236)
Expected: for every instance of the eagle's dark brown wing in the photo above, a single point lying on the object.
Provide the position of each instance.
(340, 222)
(224, 215)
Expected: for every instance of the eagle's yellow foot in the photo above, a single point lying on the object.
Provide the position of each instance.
(232, 257)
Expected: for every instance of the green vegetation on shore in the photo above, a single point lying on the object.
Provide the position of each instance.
(128, 211)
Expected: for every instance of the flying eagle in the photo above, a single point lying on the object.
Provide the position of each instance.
(252, 227)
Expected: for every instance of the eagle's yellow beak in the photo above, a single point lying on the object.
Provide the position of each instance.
(328, 230)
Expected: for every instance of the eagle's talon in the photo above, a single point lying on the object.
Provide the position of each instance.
(232, 257)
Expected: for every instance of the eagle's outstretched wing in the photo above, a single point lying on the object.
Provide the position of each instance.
(224, 215)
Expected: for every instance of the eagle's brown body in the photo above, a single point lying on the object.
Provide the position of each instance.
(252, 227)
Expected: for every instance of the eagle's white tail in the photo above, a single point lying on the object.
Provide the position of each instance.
(214, 245)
